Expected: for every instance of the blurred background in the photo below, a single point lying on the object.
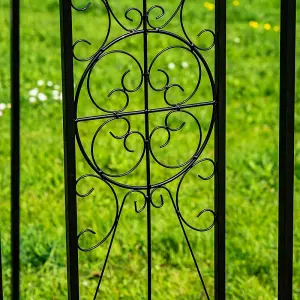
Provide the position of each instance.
(252, 154)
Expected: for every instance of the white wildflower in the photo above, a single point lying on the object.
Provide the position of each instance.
(55, 93)
(184, 64)
(56, 97)
(85, 283)
(237, 40)
(49, 83)
(32, 99)
(40, 82)
(42, 97)
(34, 92)
(60, 96)
(171, 66)
(2, 106)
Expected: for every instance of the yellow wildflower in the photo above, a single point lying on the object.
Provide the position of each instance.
(236, 2)
(253, 24)
(209, 6)
(267, 26)
(276, 28)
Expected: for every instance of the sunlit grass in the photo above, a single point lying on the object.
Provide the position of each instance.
(252, 176)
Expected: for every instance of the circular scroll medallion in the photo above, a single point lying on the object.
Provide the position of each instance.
(119, 114)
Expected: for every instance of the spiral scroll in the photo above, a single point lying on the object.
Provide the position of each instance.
(144, 22)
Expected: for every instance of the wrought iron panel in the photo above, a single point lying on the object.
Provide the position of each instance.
(143, 21)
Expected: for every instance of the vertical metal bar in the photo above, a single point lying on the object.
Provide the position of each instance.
(148, 172)
(69, 147)
(286, 148)
(220, 147)
(15, 147)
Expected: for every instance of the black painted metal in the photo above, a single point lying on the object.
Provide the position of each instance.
(144, 28)
(69, 148)
(286, 149)
(15, 147)
(147, 146)
(220, 147)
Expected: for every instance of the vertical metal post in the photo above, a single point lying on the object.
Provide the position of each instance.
(220, 147)
(15, 147)
(69, 147)
(147, 135)
(286, 148)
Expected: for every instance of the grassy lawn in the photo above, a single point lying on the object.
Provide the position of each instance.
(252, 156)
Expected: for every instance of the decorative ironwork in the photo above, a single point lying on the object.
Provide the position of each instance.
(143, 25)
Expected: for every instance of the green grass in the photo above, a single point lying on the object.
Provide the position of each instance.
(252, 160)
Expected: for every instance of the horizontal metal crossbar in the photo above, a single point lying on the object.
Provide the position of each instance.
(140, 112)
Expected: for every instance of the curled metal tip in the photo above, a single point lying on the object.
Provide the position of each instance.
(123, 77)
(82, 41)
(125, 143)
(117, 137)
(90, 191)
(203, 211)
(168, 140)
(163, 71)
(213, 42)
(112, 134)
(161, 202)
(213, 171)
(82, 8)
(214, 220)
(129, 10)
(141, 209)
(159, 7)
(177, 85)
(85, 231)
(85, 195)
(177, 128)
(113, 91)
(78, 42)
(126, 14)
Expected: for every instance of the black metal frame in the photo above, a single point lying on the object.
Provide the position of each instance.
(71, 133)
(220, 148)
(69, 146)
(144, 27)
(286, 148)
(15, 147)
